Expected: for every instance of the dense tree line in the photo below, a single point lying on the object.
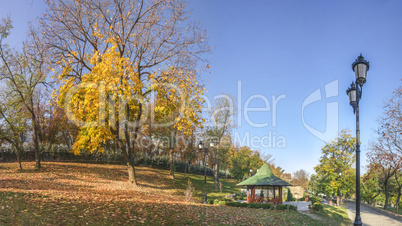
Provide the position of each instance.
(382, 182)
(335, 174)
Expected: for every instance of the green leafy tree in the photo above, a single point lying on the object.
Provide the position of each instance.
(398, 183)
(385, 152)
(221, 123)
(335, 171)
(243, 161)
(13, 123)
(371, 186)
(24, 72)
(313, 185)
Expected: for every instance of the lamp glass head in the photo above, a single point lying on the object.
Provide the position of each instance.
(360, 67)
(200, 145)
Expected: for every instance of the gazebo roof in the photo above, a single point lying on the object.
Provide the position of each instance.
(264, 176)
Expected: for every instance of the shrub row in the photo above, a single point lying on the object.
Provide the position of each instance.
(315, 199)
(317, 206)
(262, 206)
(163, 161)
(62, 153)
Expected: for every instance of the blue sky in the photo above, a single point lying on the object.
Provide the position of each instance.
(294, 48)
(290, 48)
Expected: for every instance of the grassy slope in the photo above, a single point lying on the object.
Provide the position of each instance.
(181, 182)
(334, 215)
(73, 193)
(393, 210)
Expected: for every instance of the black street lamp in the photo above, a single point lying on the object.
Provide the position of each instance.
(201, 147)
(171, 150)
(360, 67)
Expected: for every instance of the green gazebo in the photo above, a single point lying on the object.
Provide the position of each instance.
(264, 179)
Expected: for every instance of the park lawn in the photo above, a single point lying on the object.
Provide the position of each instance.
(181, 183)
(393, 210)
(334, 215)
(96, 194)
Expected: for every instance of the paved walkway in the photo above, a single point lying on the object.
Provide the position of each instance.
(301, 206)
(369, 216)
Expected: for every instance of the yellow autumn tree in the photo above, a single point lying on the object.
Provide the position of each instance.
(113, 58)
(108, 102)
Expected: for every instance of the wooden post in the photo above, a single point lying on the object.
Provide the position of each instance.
(268, 194)
(280, 195)
(248, 189)
(253, 194)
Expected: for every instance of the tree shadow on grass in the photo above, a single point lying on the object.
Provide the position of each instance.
(40, 184)
(67, 211)
(75, 170)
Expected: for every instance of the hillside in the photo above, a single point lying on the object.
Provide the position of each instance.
(75, 193)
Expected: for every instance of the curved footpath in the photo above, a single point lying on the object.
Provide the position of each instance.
(370, 216)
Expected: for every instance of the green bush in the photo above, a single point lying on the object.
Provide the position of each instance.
(315, 199)
(222, 203)
(254, 205)
(236, 204)
(216, 201)
(290, 196)
(227, 199)
(240, 196)
(286, 207)
(301, 199)
(211, 201)
(317, 206)
(262, 206)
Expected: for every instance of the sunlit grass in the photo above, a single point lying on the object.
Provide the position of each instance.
(334, 215)
(95, 194)
(394, 210)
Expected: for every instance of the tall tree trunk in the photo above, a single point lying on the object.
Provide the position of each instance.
(130, 148)
(36, 142)
(171, 163)
(216, 173)
(185, 171)
(131, 173)
(172, 145)
(18, 154)
(129, 158)
(398, 198)
(338, 197)
(386, 193)
(372, 200)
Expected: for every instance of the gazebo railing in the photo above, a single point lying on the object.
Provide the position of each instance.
(263, 200)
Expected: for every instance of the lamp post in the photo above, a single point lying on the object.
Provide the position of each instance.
(201, 147)
(360, 67)
(171, 149)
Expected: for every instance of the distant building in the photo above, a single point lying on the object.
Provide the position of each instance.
(297, 192)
